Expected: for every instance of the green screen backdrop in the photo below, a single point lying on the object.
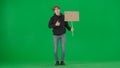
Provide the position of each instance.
(25, 36)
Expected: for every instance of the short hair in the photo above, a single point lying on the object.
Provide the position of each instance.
(55, 7)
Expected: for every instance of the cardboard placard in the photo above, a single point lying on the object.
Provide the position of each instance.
(71, 15)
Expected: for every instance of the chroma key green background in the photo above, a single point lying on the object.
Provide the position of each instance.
(25, 36)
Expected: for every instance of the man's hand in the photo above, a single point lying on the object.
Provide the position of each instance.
(57, 23)
(72, 29)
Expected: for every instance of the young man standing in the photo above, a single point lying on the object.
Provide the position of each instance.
(59, 26)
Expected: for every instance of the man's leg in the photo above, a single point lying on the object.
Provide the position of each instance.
(63, 41)
(56, 38)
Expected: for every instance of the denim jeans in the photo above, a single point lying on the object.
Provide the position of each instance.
(62, 39)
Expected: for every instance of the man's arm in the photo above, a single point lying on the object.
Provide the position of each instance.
(51, 24)
(67, 26)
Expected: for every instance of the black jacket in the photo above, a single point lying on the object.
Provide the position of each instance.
(58, 30)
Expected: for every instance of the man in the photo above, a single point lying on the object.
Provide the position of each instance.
(59, 26)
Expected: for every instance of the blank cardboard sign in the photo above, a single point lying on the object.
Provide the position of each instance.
(71, 15)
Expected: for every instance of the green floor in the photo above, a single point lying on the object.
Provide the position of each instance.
(68, 65)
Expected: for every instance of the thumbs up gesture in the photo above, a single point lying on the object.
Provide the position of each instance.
(57, 23)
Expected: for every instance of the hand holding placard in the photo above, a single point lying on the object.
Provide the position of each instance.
(71, 16)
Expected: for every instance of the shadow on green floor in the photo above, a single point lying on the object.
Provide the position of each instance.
(68, 65)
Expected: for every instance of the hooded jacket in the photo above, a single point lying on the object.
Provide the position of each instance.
(58, 30)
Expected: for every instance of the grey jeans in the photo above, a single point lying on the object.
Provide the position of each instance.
(62, 39)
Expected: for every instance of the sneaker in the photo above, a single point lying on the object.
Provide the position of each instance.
(62, 63)
(57, 63)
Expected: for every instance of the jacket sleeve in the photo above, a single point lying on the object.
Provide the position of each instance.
(51, 24)
(67, 25)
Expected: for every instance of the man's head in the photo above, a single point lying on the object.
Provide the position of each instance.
(56, 9)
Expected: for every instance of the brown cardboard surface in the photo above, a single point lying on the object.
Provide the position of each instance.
(71, 15)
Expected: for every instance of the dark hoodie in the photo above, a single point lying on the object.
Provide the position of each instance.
(58, 30)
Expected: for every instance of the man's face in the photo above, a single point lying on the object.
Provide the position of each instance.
(57, 11)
